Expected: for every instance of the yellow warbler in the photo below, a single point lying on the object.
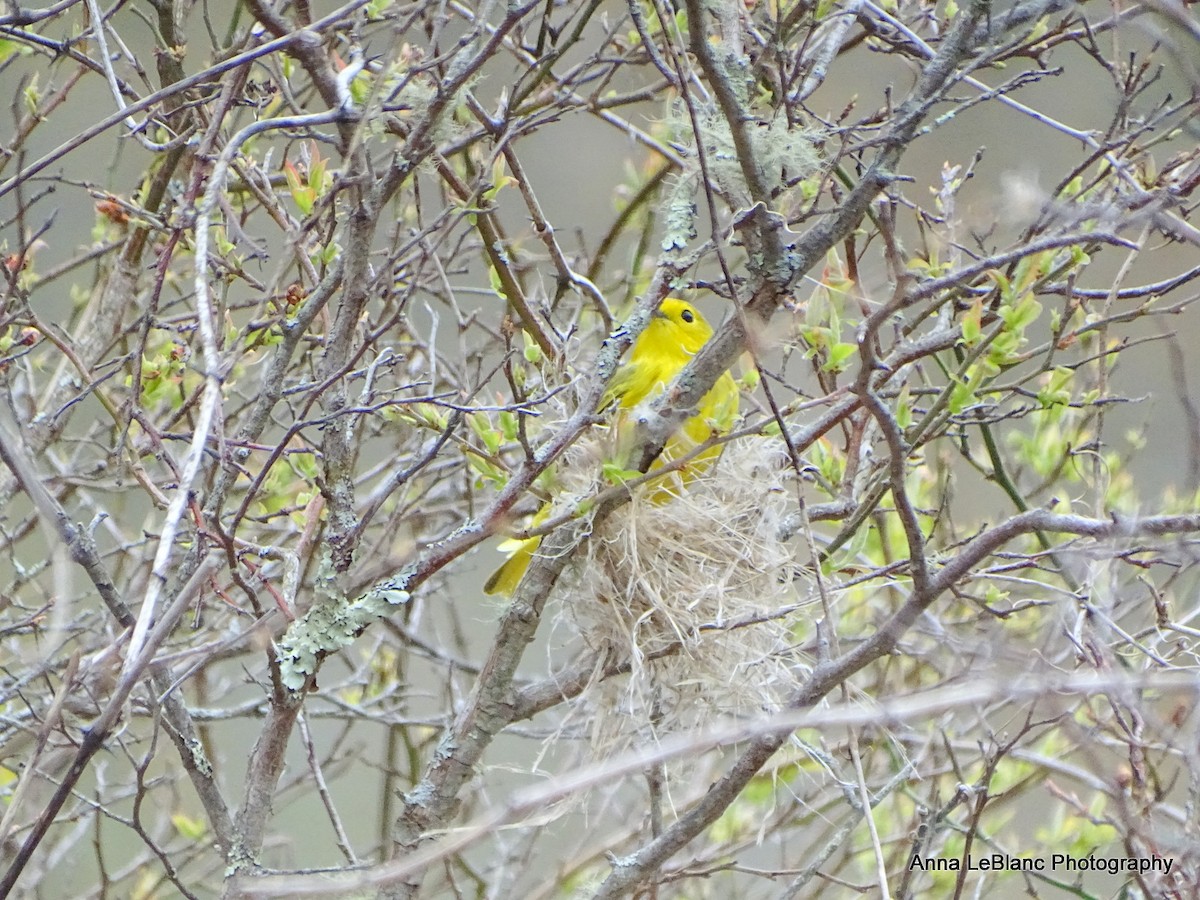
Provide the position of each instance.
(675, 334)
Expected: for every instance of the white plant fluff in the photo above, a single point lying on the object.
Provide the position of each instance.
(696, 596)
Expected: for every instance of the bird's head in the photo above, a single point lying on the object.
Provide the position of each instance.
(677, 323)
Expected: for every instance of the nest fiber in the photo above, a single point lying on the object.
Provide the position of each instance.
(695, 593)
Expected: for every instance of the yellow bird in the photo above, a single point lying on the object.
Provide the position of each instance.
(675, 334)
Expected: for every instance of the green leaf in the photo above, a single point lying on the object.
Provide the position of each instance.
(496, 284)
(1057, 390)
(304, 197)
(838, 354)
(962, 395)
(317, 178)
(533, 353)
(904, 413)
(486, 468)
(508, 425)
(192, 829)
(360, 88)
(1022, 314)
(1001, 281)
(32, 96)
(499, 181)
(615, 474)
(492, 439)
(972, 327)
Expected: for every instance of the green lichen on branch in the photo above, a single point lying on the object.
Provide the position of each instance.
(333, 624)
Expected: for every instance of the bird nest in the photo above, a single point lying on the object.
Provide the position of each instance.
(696, 597)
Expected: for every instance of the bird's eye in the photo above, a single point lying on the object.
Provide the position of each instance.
(687, 316)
